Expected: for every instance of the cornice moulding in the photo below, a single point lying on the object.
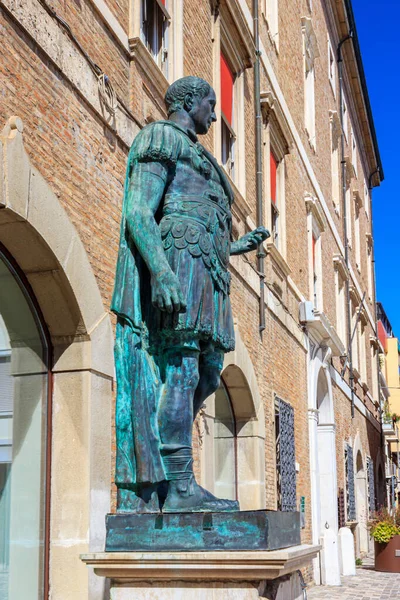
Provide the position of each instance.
(339, 264)
(278, 259)
(314, 207)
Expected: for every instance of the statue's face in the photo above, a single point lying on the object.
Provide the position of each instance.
(202, 112)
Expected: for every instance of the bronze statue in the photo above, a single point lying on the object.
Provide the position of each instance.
(171, 298)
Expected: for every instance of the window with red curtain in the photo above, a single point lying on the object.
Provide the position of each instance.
(227, 81)
(273, 170)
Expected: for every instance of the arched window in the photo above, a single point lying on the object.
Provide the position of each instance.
(24, 391)
(225, 446)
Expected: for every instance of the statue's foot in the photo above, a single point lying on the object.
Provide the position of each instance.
(188, 496)
(143, 500)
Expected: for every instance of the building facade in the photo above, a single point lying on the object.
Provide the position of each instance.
(295, 424)
(390, 401)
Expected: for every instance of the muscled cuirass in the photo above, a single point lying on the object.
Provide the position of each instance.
(196, 213)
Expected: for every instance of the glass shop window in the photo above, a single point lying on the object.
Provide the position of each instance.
(23, 426)
(225, 446)
(155, 21)
(228, 135)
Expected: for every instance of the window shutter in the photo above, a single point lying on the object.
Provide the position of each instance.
(371, 485)
(285, 456)
(227, 80)
(350, 487)
(273, 170)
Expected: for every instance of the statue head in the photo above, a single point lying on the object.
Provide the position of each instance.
(196, 97)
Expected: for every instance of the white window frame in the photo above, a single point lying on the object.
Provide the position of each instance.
(331, 67)
(369, 270)
(357, 235)
(367, 199)
(335, 129)
(349, 228)
(362, 348)
(310, 53)
(223, 42)
(272, 144)
(168, 64)
(374, 370)
(341, 276)
(345, 118)
(354, 347)
(354, 153)
(271, 14)
(316, 225)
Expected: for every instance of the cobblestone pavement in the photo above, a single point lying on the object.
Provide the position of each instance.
(367, 584)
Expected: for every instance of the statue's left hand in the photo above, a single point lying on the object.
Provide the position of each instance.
(250, 240)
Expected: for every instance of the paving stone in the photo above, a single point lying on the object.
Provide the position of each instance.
(367, 584)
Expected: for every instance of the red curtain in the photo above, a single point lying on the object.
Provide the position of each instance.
(273, 169)
(227, 80)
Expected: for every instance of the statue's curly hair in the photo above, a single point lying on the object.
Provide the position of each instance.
(175, 96)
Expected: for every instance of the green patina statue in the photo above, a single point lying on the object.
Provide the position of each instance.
(171, 298)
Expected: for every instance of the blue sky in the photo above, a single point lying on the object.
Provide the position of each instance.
(379, 37)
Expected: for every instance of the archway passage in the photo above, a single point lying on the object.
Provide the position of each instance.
(25, 386)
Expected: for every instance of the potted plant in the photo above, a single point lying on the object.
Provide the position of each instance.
(385, 531)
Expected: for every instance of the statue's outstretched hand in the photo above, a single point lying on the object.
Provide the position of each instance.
(166, 292)
(250, 241)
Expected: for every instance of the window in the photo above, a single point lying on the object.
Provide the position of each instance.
(374, 370)
(366, 199)
(362, 347)
(345, 118)
(349, 229)
(355, 336)
(354, 152)
(350, 484)
(24, 385)
(271, 15)
(357, 233)
(311, 52)
(340, 283)
(285, 456)
(316, 224)
(155, 22)
(331, 67)
(228, 135)
(276, 140)
(335, 160)
(369, 270)
(371, 486)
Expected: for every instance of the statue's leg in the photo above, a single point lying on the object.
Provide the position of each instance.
(210, 366)
(175, 422)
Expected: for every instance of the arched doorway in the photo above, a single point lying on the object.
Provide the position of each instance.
(225, 445)
(232, 434)
(25, 386)
(326, 443)
(361, 505)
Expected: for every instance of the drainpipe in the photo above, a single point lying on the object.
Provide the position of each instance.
(259, 198)
(378, 364)
(344, 203)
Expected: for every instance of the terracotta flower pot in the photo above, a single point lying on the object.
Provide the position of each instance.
(385, 556)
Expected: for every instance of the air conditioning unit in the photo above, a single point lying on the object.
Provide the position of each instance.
(306, 312)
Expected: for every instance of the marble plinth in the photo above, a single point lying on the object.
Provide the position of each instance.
(203, 575)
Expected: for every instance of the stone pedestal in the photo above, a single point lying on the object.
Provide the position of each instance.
(203, 575)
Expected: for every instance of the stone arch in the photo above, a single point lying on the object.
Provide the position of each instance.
(240, 380)
(36, 231)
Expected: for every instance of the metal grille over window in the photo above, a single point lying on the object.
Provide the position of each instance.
(350, 489)
(371, 485)
(341, 510)
(285, 456)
